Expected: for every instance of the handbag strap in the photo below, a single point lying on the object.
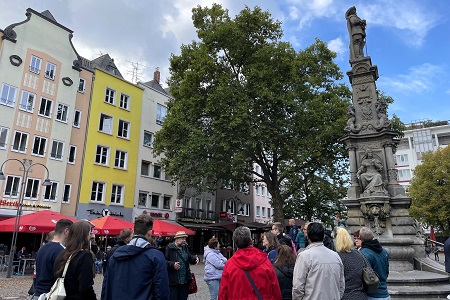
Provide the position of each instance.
(258, 294)
(365, 262)
(66, 266)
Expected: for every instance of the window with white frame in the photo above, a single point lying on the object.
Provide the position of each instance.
(57, 150)
(187, 202)
(72, 154)
(145, 168)
(39, 145)
(4, 131)
(157, 171)
(77, 118)
(81, 85)
(102, 155)
(402, 159)
(12, 185)
(124, 101)
(62, 112)
(105, 123)
(263, 190)
(142, 201)
(263, 212)
(161, 112)
(20, 142)
(243, 209)
(110, 96)
(198, 203)
(258, 189)
(123, 129)
(120, 161)
(27, 101)
(167, 176)
(8, 95)
(51, 191)
(166, 202)
(97, 191)
(404, 174)
(32, 189)
(148, 138)
(155, 200)
(35, 64)
(116, 194)
(258, 208)
(45, 107)
(66, 193)
(50, 71)
(208, 205)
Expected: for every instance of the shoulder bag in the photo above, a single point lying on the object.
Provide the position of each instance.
(58, 291)
(370, 277)
(258, 294)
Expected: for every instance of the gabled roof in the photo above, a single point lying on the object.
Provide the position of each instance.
(106, 63)
(156, 86)
(48, 15)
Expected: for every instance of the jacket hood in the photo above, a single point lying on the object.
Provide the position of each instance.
(209, 251)
(136, 246)
(248, 258)
(373, 245)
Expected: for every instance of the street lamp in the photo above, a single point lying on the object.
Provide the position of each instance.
(46, 182)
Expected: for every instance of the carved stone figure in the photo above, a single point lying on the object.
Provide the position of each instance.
(357, 31)
(351, 127)
(370, 177)
(383, 121)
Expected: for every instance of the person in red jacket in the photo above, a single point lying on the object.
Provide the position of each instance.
(236, 283)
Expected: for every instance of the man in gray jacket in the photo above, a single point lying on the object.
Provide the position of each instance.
(318, 271)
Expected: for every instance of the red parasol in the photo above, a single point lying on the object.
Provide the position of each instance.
(110, 225)
(432, 235)
(42, 221)
(165, 228)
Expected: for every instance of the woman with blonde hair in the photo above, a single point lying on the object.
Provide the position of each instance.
(353, 262)
(271, 244)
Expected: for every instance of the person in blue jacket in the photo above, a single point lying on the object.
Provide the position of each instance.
(137, 270)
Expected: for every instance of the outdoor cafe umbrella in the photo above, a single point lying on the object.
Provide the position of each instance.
(164, 228)
(109, 225)
(42, 221)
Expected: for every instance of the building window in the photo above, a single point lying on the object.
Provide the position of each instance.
(124, 129)
(120, 161)
(257, 211)
(117, 194)
(12, 186)
(77, 119)
(155, 200)
(8, 95)
(142, 201)
(39, 146)
(268, 213)
(20, 142)
(148, 138)
(166, 202)
(208, 205)
(145, 168)
(258, 190)
(32, 189)
(81, 85)
(263, 212)
(263, 190)
(110, 96)
(105, 123)
(404, 174)
(402, 159)
(3, 136)
(102, 155)
(187, 202)
(72, 154)
(45, 108)
(66, 194)
(27, 101)
(124, 101)
(50, 71)
(51, 191)
(156, 171)
(35, 64)
(160, 114)
(62, 112)
(57, 150)
(97, 191)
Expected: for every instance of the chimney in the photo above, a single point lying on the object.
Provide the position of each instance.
(157, 75)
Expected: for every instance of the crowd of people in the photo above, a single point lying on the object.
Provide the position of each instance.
(305, 263)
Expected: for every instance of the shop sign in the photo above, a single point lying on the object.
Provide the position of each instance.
(15, 204)
(159, 215)
(105, 212)
(192, 220)
(178, 206)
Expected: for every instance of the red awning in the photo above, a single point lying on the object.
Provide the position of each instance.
(110, 225)
(165, 228)
(42, 221)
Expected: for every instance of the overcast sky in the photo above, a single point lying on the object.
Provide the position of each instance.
(409, 40)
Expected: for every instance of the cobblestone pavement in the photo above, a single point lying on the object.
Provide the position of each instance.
(16, 288)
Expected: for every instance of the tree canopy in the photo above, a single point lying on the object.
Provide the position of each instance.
(244, 97)
(430, 190)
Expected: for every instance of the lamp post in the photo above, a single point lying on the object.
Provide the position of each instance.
(26, 169)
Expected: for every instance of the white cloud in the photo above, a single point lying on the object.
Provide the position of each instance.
(305, 11)
(420, 78)
(338, 46)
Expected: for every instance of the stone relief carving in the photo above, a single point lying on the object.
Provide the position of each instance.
(364, 99)
(393, 174)
(351, 127)
(369, 175)
(377, 215)
(362, 79)
(383, 121)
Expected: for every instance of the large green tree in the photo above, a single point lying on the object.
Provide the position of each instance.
(430, 190)
(243, 97)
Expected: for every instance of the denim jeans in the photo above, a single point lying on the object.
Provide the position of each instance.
(372, 298)
(213, 288)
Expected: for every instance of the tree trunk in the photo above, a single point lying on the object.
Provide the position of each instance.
(277, 206)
